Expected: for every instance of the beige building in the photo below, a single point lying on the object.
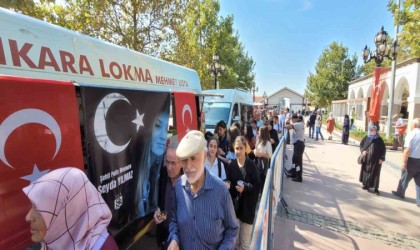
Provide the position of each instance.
(406, 96)
(287, 97)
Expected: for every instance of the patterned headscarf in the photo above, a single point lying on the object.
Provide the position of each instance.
(373, 127)
(73, 210)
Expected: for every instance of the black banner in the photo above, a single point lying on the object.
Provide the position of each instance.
(125, 133)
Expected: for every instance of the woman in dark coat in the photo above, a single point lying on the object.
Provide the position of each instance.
(243, 169)
(346, 130)
(373, 148)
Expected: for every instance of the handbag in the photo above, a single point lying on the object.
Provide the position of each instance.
(260, 165)
(361, 160)
(345, 132)
(401, 130)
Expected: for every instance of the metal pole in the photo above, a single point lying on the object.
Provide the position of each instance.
(393, 69)
(215, 81)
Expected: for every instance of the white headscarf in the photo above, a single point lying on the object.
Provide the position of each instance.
(73, 210)
(331, 116)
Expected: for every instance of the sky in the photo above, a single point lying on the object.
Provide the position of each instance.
(285, 38)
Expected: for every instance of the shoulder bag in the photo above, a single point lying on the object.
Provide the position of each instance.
(363, 159)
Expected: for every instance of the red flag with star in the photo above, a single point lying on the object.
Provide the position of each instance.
(378, 88)
(39, 132)
(186, 113)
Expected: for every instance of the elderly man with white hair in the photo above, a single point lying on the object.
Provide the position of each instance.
(203, 212)
(411, 162)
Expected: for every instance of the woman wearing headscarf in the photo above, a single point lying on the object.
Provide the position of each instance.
(68, 212)
(330, 125)
(346, 130)
(372, 147)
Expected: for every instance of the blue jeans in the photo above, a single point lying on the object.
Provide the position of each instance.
(311, 131)
(318, 131)
(413, 171)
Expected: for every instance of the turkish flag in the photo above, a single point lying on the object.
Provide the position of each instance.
(39, 132)
(378, 88)
(186, 113)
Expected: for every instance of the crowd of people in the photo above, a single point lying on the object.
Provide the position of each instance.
(237, 159)
(209, 185)
(215, 200)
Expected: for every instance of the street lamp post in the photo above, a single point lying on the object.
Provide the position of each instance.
(216, 69)
(254, 88)
(383, 50)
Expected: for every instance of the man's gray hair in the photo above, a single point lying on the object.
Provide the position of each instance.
(416, 122)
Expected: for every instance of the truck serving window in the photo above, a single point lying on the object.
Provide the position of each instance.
(216, 111)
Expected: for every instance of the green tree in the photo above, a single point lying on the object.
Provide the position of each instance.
(182, 31)
(27, 7)
(333, 72)
(408, 18)
(239, 71)
(203, 33)
(141, 25)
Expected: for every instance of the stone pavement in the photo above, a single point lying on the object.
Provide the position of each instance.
(330, 210)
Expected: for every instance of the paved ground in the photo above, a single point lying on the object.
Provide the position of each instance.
(329, 210)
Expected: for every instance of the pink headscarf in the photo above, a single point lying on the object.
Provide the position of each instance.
(73, 210)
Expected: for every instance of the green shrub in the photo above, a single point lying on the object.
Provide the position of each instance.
(387, 139)
(358, 134)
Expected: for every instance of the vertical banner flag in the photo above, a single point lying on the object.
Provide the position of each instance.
(186, 113)
(39, 132)
(126, 138)
(378, 88)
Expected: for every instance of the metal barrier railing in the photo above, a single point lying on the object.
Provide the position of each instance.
(262, 232)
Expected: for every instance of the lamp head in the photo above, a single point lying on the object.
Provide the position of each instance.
(381, 37)
(365, 53)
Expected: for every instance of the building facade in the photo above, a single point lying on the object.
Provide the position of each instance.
(287, 98)
(406, 96)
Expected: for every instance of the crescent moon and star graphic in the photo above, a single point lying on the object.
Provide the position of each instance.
(100, 124)
(185, 109)
(22, 117)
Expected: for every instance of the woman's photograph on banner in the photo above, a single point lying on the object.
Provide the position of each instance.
(149, 166)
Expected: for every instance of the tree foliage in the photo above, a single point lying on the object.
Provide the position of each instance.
(182, 31)
(203, 33)
(333, 72)
(408, 17)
